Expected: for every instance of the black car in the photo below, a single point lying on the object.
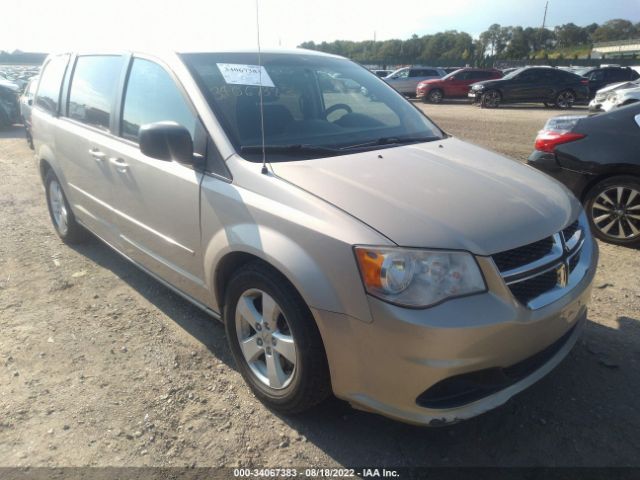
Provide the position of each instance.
(9, 108)
(601, 77)
(532, 84)
(597, 159)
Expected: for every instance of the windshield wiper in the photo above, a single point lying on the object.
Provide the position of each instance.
(285, 149)
(390, 141)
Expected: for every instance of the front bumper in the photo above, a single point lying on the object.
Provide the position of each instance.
(385, 366)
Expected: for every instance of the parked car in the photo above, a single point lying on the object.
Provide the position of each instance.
(601, 77)
(26, 103)
(405, 80)
(616, 95)
(532, 84)
(454, 85)
(597, 158)
(348, 245)
(9, 109)
(382, 73)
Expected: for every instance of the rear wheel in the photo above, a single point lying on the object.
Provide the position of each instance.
(491, 99)
(435, 96)
(274, 340)
(565, 99)
(60, 212)
(613, 208)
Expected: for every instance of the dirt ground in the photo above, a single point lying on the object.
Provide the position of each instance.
(101, 365)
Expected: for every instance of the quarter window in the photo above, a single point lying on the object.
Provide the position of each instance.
(93, 89)
(152, 96)
(48, 95)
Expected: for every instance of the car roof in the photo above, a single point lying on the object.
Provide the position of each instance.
(163, 53)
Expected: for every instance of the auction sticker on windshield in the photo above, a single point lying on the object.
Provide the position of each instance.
(238, 74)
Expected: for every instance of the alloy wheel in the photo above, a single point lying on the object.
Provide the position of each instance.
(616, 213)
(58, 207)
(435, 96)
(565, 100)
(265, 339)
(491, 99)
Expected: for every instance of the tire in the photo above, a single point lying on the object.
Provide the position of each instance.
(64, 222)
(491, 99)
(565, 99)
(435, 96)
(613, 209)
(282, 384)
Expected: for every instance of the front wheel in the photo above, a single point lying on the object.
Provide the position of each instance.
(491, 99)
(565, 99)
(435, 96)
(274, 340)
(613, 208)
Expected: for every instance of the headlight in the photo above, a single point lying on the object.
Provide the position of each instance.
(478, 87)
(418, 278)
(613, 97)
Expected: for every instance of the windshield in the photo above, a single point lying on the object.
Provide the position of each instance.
(581, 71)
(448, 75)
(324, 104)
(513, 74)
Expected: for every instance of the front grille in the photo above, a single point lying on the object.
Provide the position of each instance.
(570, 230)
(533, 287)
(573, 261)
(520, 256)
(544, 266)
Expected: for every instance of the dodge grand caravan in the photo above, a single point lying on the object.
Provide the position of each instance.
(348, 244)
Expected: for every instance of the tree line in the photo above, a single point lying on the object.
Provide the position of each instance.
(497, 42)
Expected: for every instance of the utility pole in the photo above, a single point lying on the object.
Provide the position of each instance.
(544, 19)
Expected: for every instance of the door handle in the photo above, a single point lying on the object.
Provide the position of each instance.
(120, 164)
(97, 155)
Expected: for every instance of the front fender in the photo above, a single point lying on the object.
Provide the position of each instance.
(321, 284)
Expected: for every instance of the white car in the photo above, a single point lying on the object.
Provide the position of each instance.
(615, 95)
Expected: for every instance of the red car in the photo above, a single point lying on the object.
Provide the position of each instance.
(454, 85)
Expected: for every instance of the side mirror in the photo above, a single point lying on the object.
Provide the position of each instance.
(166, 141)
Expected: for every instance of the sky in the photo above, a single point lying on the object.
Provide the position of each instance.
(57, 25)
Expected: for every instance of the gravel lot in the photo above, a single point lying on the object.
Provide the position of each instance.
(101, 365)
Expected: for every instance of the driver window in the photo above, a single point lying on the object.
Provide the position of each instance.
(402, 74)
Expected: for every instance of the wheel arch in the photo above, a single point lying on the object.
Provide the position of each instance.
(625, 172)
(254, 243)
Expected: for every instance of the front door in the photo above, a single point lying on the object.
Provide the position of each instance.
(156, 201)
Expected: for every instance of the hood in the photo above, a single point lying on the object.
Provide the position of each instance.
(619, 86)
(491, 82)
(444, 194)
(431, 81)
(9, 85)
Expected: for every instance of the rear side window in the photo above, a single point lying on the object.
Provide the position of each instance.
(480, 75)
(48, 95)
(423, 73)
(618, 75)
(93, 89)
(152, 96)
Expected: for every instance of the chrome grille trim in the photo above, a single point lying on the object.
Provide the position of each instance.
(565, 258)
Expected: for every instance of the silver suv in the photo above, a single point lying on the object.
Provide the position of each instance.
(406, 80)
(348, 244)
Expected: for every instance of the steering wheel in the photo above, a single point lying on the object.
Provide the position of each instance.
(337, 106)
